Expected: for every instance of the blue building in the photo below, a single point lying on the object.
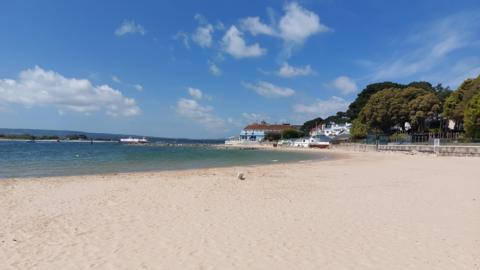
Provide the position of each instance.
(258, 132)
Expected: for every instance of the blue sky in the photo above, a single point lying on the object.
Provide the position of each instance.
(204, 69)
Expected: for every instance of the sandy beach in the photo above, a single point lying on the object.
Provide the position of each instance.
(359, 211)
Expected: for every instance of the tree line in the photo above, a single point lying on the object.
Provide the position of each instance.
(417, 107)
(43, 137)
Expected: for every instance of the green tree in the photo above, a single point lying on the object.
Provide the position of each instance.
(309, 125)
(472, 117)
(421, 85)
(455, 105)
(357, 105)
(397, 106)
(423, 107)
(442, 93)
(376, 114)
(358, 130)
(272, 137)
(338, 118)
(291, 133)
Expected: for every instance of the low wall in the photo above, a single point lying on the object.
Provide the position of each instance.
(358, 147)
(447, 150)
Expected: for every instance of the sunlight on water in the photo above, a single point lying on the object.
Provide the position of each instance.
(23, 159)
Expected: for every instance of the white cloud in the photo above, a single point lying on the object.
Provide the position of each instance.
(214, 69)
(116, 79)
(298, 24)
(184, 38)
(235, 45)
(264, 72)
(255, 117)
(270, 90)
(138, 87)
(427, 50)
(198, 94)
(39, 87)
(203, 115)
(294, 27)
(288, 71)
(255, 26)
(464, 69)
(203, 36)
(200, 18)
(219, 26)
(195, 93)
(345, 85)
(322, 108)
(129, 27)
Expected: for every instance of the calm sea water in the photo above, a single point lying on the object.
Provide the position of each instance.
(23, 159)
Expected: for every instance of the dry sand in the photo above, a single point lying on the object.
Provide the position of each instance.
(364, 211)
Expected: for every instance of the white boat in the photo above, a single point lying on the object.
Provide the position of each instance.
(285, 142)
(131, 140)
(302, 142)
(319, 141)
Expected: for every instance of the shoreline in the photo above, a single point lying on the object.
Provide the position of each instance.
(325, 155)
(322, 157)
(368, 210)
(57, 141)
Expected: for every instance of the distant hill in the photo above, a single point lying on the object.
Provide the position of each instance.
(103, 136)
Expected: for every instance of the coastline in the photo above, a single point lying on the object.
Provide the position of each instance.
(57, 141)
(171, 158)
(364, 210)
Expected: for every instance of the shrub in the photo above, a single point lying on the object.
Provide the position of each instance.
(472, 118)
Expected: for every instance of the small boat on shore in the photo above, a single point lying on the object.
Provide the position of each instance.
(131, 140)
(318, 141)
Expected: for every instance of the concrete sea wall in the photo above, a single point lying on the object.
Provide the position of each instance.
(447, 150)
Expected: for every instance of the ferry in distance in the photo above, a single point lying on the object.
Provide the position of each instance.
(131, 140)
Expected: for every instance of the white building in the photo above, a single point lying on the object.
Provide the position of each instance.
(331, 130)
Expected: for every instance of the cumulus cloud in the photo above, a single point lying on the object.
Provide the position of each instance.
(219, 26)
(184, 38)
(255, 26)
(269, 90)
(203, 36)
(214, 69)
(203, 115)
(129, 27)
(234, 44)
(322, 108)
(195, 93)
(288, 71)
(138, 87)
(345, 85)
(294, 27)
(39, 87)
(299, 23)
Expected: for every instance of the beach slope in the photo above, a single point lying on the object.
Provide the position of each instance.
(362, 211)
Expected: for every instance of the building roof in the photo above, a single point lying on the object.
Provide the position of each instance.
(268, 127)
